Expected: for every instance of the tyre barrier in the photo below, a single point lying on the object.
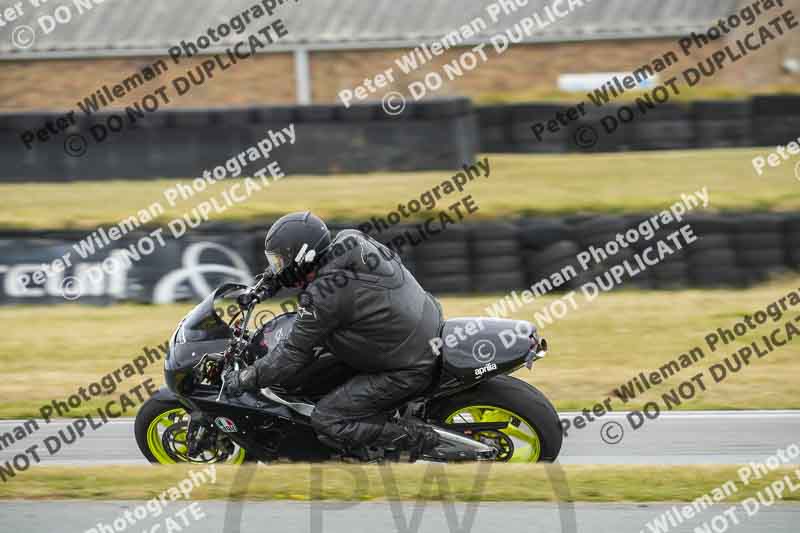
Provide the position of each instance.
(759, 121)
(439, 134)
(731, 250)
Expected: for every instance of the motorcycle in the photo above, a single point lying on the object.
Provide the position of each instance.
(479, 411)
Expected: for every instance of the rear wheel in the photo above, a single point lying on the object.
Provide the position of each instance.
(161, 428)
(532, 432)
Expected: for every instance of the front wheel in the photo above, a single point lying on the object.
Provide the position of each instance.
(533, 430)
(161, 427)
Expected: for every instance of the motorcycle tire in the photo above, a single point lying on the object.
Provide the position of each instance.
(168, 447)
(533, 433)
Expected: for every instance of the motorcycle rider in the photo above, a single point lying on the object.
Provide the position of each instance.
(362, 303)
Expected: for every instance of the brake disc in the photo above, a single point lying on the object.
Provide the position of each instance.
(498, 440)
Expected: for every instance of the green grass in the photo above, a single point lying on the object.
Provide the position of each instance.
(687, 94)
(468, 482)
(51, 351)
(519, 185)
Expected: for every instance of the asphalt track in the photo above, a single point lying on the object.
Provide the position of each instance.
(703, 437)
(378, 517)
(673, 438)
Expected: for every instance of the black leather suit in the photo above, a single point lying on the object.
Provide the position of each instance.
(370, 311)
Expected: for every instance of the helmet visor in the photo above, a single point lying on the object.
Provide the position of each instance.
(276, 262)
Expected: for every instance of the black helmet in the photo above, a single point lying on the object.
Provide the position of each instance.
(294, 244)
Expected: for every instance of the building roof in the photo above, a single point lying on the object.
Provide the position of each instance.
(137, 27)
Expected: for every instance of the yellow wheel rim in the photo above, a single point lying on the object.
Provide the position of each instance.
(164, 422)
(527, 447)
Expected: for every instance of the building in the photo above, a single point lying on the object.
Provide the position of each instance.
(334, 45)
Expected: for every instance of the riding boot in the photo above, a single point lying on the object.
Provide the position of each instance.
(415, 438)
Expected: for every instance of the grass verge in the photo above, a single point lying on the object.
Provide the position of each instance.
(687, 94)
(469, 482)
(518, 185)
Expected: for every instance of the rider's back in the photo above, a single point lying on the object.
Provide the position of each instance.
(386, 318)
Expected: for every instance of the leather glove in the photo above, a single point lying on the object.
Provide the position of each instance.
(268, 290)
(244, 300)
(271, 287)
(233, 383)
(239, 381)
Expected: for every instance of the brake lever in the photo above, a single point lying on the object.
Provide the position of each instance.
(222, 388)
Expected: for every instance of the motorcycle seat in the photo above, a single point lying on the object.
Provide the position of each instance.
(474, 347)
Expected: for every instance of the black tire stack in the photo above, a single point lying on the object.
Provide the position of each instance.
(759, 246)
(523, 140)
(722, 124)
(712, 258)
(589, 133)
(497, 261)
(442, 264)
(792, 241)
(598, 232)
(768, 120)
(494, 123)
(665, 127)
(730, 251)
(547, 248)
(669, 273)
(775, 119)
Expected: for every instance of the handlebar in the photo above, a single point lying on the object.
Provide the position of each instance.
(266, 287)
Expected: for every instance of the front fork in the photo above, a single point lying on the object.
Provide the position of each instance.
(200, 435)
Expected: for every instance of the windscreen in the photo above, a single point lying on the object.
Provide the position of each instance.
(203, 323)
